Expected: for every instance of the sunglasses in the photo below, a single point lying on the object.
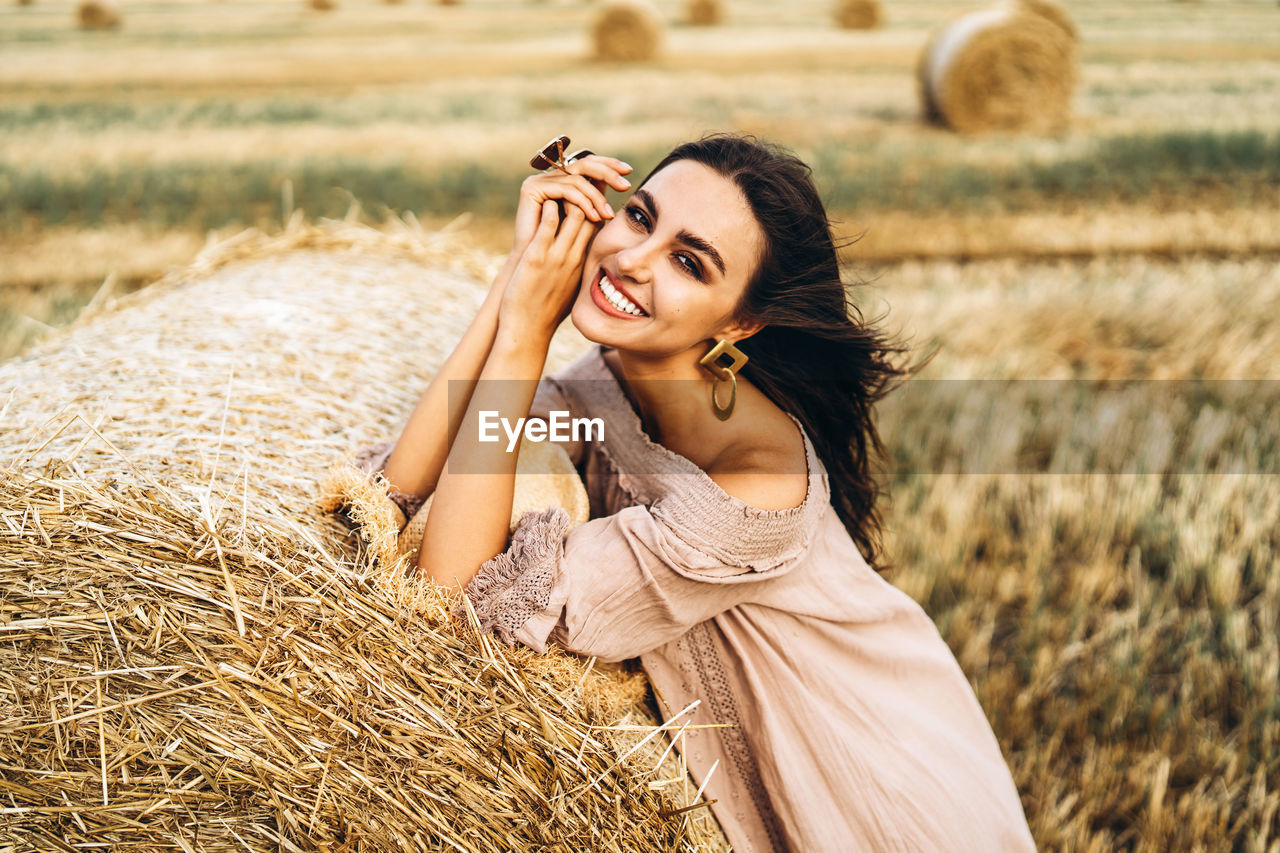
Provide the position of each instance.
(551, 156)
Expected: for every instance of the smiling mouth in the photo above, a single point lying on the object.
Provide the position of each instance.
(611, 300)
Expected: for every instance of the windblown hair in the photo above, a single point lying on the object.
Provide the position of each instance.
(816, 356)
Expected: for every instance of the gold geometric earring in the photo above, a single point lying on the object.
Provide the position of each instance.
(710, 362)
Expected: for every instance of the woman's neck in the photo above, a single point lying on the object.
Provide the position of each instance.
(670, 395)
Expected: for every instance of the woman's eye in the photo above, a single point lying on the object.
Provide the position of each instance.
(633, 212)
(637, 216)
(691, 265)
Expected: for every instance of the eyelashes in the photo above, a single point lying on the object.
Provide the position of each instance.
(691, 265)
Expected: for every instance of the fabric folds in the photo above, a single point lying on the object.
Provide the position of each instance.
(516, 584)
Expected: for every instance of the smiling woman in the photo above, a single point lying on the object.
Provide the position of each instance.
(731, 546)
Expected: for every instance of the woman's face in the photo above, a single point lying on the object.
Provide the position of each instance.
(680, 253)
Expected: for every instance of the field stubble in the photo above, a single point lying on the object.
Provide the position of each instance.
(1119, 628)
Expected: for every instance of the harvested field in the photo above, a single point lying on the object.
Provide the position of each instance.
(1113, 596)
(1102, 561)
(1122, 651)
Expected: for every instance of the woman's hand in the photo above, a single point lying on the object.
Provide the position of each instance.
(545, 282)
(583, 188)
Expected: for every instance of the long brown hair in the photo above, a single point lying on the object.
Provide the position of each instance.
(816, 356)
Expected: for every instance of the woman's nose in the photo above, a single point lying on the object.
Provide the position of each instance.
(633, 263)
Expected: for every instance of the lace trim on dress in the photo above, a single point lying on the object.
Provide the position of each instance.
(372, 460)
(516, 584)
(713, 687)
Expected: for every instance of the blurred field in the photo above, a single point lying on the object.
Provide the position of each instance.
(198, 115)
(1120, 629)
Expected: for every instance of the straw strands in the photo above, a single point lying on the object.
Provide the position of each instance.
(1011, 66)
(193, 649)
(627, 31)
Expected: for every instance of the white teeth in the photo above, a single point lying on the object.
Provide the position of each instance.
(616, 299)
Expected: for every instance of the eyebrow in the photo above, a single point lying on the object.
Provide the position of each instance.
(693, 241)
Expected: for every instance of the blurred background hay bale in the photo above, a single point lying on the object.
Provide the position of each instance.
(323, 5)
(627, 31)
(704, 13)
(1053, 12)
(98, 14)
(1009, 67)
(857, 14)
(202, 651)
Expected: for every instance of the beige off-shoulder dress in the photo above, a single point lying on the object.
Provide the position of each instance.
(852, 726)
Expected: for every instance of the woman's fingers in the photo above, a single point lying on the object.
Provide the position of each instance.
(547, 223)
(576, 189)
(572, 224)
(590, 177)
(588, 197)
(603, 172)
(610, 170)
(581, 239)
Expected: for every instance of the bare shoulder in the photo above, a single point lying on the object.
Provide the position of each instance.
(766, 468)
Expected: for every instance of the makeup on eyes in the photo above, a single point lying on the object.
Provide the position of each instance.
(694, 268)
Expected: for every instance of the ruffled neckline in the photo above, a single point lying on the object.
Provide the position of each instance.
(695, 505)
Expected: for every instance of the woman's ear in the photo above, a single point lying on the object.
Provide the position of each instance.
(740, 330)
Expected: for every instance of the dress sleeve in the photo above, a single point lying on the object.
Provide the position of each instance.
(371, 460)
(615, 587)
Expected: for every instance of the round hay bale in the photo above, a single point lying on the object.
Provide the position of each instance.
(1004, 68)
(323, 5)
(98, 14)
(25, 2)
(627, 31)
(192, 639)
(1054, 13)
(704, 13)
(857, 14)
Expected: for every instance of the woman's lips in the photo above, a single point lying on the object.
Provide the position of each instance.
(602, 302)
(621, 289)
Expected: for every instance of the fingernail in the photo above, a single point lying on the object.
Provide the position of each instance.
(626, 166)
(608, 209)
(626, 182)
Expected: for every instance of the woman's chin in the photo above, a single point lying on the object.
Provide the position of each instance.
(586, 319)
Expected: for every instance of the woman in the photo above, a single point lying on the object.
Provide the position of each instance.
(733, 522)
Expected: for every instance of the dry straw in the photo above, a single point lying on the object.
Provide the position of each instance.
(704, 13)
(627, 31)
(857, 14)
(1010, 67)
(196, 653)
(98, 14)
